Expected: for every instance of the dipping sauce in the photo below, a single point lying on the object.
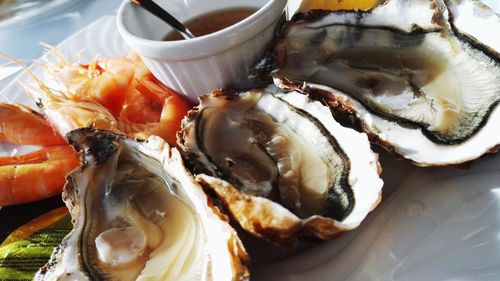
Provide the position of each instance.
(213, 22)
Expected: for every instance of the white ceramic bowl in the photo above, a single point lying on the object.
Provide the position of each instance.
(197, 66)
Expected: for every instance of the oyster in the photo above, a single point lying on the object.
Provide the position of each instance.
(291, 168)
(420, 83)
(139, 215)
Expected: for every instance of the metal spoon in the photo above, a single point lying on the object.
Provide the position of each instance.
(158, 11)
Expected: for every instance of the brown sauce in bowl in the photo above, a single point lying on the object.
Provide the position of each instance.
(213, 22)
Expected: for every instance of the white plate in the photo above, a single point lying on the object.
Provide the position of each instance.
(434, 223)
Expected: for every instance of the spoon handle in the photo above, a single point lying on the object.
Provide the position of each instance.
(158, 11)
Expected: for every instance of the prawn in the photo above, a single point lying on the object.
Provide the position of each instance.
(36, 175)
(22, 125)
(159, 107)
(174, 110)
(62, 111)
(105, 82)
(118, 94)
(39, 174)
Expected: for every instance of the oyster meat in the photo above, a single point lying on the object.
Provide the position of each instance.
(290, 167)
(422, 76)
(139, 215)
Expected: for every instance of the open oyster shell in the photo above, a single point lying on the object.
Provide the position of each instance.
(290, 167)
(139, 215)
(421, 76)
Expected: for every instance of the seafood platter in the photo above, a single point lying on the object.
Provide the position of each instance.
(365, 148)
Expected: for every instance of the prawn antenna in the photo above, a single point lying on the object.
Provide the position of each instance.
(42, 86)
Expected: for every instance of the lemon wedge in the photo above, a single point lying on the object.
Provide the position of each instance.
(338, 4)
